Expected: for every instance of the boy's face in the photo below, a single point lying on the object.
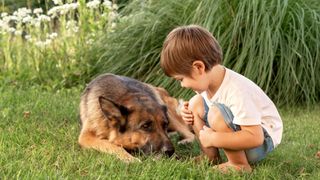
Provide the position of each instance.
(197, 81)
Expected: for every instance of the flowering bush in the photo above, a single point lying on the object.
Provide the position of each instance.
(52, 44)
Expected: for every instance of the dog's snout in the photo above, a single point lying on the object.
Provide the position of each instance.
(169, 152)
(168, 149)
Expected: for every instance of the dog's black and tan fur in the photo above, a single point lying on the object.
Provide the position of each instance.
(119, 114)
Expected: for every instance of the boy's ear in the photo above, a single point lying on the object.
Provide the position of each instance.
(199, 66)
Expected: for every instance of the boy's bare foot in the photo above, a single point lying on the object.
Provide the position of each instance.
(227, 167)
(199, 159)
(202, 158)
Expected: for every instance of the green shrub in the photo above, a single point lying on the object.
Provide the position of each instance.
(50, 47)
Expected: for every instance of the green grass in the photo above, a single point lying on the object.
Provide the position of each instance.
(44, 145)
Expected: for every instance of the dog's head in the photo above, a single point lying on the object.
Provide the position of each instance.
(137, 123)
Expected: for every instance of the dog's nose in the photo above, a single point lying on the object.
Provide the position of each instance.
(168, 149)
(169, 152)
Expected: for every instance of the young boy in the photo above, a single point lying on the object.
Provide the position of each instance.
(229, 111)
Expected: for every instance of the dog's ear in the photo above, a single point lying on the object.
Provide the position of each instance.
(164, 108)
(162, 92)
(112, 110)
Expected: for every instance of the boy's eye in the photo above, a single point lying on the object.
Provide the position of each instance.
(178, 78)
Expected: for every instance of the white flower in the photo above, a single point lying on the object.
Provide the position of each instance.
(113, 25)
(27, 19)
(36, 23)
(11, 30)
(10, 18)
(27, 37)
(90, 41)
(43, 18)
(53, 35)
(18, 33)
(63, 9)
(70, 24)
(4, 14)
(107, 4)
(73, 6)
(21, 13)
(39, 44)
(38, 11)
(2, 24)
(72, 27)
(75, 29)
(57, 2)
(113, 15)
(47, 42)
(93, 4)
(115, 7)
(43, 44)
(5, 27)
(54, 11)
(104, 15)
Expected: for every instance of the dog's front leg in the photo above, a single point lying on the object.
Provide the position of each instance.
(88, 140)
(178, 125)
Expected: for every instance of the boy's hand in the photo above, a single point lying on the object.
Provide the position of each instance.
(186, 114)
(205, 136)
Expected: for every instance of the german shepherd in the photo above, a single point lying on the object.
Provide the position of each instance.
(120, 115)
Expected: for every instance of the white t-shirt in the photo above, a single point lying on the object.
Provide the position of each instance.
(248, 103)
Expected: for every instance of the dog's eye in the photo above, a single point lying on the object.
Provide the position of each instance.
(147, 126)
(165, 124)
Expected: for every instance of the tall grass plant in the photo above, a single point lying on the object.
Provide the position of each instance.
(274, 43)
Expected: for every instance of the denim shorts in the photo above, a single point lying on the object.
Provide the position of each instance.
(253, 155)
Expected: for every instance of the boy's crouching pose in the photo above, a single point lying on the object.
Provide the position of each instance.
(229, 111)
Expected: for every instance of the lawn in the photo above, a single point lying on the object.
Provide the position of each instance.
(38, 140)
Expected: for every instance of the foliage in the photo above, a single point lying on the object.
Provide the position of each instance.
(274, 43)
(11, 5)
(50, 47)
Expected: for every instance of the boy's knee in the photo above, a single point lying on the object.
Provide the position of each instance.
(197, 108)
(216, 120)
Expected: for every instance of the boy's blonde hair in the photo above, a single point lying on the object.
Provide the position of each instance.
(186, 44)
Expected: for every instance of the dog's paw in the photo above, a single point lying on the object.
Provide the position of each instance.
(130, 159)
(173, 133)
(186, 141)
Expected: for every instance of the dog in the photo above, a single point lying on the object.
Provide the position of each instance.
(120, 115)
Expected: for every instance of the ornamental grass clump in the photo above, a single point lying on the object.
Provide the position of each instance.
(274, 43)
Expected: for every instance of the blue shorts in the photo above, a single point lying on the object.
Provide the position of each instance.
(253, 155)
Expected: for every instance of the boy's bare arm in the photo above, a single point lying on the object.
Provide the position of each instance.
(248, 137)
